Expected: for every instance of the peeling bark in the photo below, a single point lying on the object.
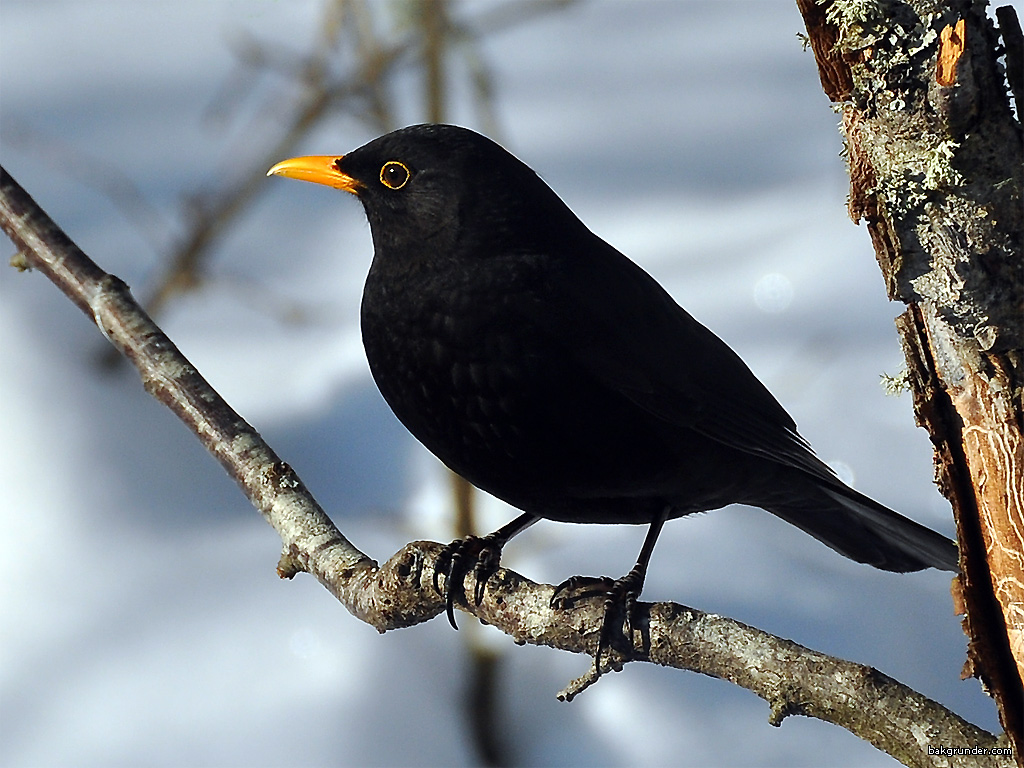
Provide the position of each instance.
(936, 166)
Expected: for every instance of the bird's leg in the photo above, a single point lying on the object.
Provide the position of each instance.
(620, 595)
(623, 595)
(484, 552)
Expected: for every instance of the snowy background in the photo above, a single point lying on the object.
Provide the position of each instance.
(143, 623)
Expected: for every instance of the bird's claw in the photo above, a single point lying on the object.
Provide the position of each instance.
(577, 588)
(455, 560)
(620, 598)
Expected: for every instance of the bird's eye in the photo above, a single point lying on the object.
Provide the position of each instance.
(394, 175)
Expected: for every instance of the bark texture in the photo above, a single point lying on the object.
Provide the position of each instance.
(936, 166)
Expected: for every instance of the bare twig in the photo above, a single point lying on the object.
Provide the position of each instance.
(364, 90)
(791, 678)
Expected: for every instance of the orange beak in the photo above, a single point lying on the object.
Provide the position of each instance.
(319, 169)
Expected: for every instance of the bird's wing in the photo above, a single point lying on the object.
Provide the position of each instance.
(624, 329)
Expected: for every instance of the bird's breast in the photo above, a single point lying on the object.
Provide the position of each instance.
(464, 363)
(454, 368)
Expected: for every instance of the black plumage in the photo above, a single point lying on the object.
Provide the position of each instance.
(548, 369)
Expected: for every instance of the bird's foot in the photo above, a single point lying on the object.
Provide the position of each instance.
(620, 597)
(577, 588)
(479, 554)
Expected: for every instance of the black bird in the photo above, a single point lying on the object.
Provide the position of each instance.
(548, 369)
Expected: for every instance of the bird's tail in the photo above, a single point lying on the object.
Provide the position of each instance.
(868, 532)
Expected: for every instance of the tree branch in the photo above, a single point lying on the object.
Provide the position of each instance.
(791, 678)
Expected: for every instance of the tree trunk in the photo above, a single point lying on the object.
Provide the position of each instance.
(935, 161)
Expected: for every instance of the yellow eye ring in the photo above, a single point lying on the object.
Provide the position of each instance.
(394, 175)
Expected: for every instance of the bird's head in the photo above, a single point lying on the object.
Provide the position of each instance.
(442, 188)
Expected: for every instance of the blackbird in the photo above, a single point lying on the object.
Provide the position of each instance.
(548, 369)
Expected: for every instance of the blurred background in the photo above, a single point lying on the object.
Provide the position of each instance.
(144, 623)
